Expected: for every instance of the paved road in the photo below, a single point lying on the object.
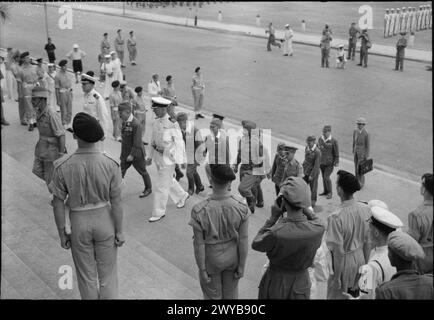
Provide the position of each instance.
(338, 15)
(244, 81)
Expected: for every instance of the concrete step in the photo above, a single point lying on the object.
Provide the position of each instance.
(7, 291)
(22, 278)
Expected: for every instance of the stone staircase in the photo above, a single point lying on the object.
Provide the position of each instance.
(31, 253)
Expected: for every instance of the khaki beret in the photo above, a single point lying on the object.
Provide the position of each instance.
(296, 191)
(404, 246)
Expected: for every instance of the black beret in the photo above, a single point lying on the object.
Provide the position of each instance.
(217, 116)
(222, 173)
(63, 62)
(87, 128)
(115, 83)
(348, 182)
(197, 69)
(24, 54)
(138, 89)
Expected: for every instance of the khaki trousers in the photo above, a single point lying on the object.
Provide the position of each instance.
(94, 253)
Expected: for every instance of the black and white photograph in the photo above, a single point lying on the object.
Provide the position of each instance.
(214, 150)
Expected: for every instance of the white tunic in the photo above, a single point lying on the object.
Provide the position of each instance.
(108, 69)
(154, 88)
(95, 106)
(376, 271)
(117, 71)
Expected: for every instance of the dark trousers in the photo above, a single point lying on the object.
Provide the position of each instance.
(193, 177)
(140, 166)
(249, 184)
(277, 188)
(399, 62)
(364, 56)
(357, 161)
(257, 193)
(313, 188)
(272, 41)
(325, 57)
(326, 171)
(21, 108)
(351, 50)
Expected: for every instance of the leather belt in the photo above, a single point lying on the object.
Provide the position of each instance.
(90, 206)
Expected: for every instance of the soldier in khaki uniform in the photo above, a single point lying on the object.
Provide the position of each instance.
(220, 226)
(90, 180)
(360, 147)
(51, 144)
(254, 165)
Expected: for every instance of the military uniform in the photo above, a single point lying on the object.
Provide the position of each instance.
(378, 269)
(325, 49)
(277, 170)
(311, 168)
(63, 86)
(192, 140)
(329, 159)
(352, 42)
(291, 245)
(254, 166)
(95, 106)
(386, 23)
(132, 50)
(420, 227)
(93, 234)
(132, 145)
(407, 283)
(360, 151)
(219, 220)
(364, 49)
(167, 149)
(48, 147)
(28, 79)
(119, 47)
(400, 53)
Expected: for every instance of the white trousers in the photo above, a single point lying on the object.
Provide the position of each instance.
(287, 47)
(11, 85)
(166, 186)
(117, 75)
(108, 86)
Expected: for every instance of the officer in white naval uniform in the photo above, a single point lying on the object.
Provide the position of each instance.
(94, 104)
(167, 149)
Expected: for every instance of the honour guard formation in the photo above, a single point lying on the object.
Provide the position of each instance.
(362, 250)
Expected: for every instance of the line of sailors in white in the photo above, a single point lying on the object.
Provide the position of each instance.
(407, 20)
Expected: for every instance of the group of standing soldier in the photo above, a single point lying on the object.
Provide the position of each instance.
(407, 20)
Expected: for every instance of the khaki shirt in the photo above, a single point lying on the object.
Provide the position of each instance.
(88, 176)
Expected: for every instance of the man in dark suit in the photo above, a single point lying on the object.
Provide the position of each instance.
(192, 141)
(133, 150)
(360, 147)
(400, 52)
(311, 164)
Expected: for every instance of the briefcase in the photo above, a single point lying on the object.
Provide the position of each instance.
(366, 166)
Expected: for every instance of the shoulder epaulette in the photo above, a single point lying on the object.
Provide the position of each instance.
(111, 158)
(199, 206)
(57, 163)
(238, 199)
